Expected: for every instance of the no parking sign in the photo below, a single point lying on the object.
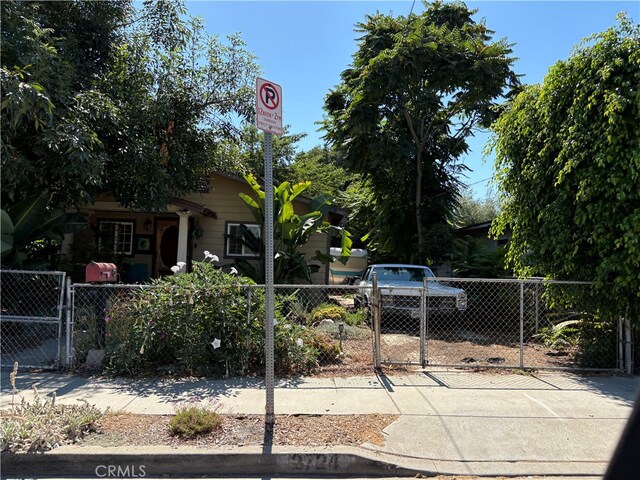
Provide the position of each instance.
(268, 106)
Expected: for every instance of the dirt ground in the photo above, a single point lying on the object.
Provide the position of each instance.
(399, 348)
(240, 430)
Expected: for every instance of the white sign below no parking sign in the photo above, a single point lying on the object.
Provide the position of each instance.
(268, 106)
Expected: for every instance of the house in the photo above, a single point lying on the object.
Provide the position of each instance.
(481, 231)
(146, 245)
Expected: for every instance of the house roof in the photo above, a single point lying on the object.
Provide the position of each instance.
(193, 206)
(474, 227)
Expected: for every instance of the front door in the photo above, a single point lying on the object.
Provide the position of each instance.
(166, 253)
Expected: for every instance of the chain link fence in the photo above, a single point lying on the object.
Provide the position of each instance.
(184, 329)
(31, 305)
(180, 329)
(499, 323)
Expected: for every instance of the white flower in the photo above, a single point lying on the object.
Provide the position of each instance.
(175, 269)
(233, 271)
(210, 256)
(216, 343)
(275, 322)
(142, 350)
(299, 342)
(181, 265)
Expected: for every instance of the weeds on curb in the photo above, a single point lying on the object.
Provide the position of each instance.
(193, 419)
(42, 424)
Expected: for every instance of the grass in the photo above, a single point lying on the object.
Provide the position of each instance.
(193, 420)
(42, 425)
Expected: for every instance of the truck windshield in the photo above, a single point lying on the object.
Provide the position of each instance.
(402, 274)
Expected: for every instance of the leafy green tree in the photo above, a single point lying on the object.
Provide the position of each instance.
(52, 52)
(30, 221)
(321, 166)
(291, 232)
(471, 210)
(568, 163)
(250, 152)
(180, 91)
(475, 258)
(417, 88)
(103, 96)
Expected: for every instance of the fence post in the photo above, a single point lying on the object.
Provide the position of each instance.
(69, 330)
(628, 351)
(376, 320)
(621, 348)
(423, 322)
(247, 345)
(537, 306)
(521, 324)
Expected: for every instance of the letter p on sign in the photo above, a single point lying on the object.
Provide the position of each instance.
(268, 106)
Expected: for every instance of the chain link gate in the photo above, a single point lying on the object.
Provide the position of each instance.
(31, 318)
(509, 323)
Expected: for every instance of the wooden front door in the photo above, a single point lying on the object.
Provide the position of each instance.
(166, 253)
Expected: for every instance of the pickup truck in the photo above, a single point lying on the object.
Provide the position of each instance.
(401, 287)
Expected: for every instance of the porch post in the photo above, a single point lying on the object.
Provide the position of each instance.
(183, 236)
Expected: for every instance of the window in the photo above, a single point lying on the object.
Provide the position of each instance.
(235, 247)
(117, 236)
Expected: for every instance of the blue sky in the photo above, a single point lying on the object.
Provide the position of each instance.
(305, 45)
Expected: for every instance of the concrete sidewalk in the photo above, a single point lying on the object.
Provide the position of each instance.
(450, 422)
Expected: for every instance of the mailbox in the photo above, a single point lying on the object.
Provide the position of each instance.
(100, 272)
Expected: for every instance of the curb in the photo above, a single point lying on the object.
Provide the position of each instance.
(168, 464)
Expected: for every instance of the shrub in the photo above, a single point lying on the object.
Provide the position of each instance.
(357, 317)
(187, 323)
(42, 424)
(199, 323)
(326, 310)
(192, 420)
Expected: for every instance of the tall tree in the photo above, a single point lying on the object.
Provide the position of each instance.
(250, 152)
(102, 96)
(568, 163)
(52, 53)
(321, 166)
(417, 88)
(472, 210)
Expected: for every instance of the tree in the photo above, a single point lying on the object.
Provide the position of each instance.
(180, 92)
(102, 96)
(471, 210)
(291, 232)
(321, 166)
(250, 152)
(475, 258)
(418, 86)
(52, 52)
(568, 166)
(30, 221)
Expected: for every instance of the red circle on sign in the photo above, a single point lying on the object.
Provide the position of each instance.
(265, 95)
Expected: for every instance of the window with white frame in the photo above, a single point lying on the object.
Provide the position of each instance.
(117, 236)
(234, 245)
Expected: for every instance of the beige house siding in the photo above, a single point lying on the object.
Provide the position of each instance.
(224, 200)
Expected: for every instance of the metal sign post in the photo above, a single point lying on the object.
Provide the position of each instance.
(268, 280)
(269, 119)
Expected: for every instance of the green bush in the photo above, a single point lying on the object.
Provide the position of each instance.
(327, 310)
(357, 317)
(198, 323)
(43, 424)
(193, 420)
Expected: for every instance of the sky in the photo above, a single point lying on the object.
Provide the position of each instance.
(305, 45)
